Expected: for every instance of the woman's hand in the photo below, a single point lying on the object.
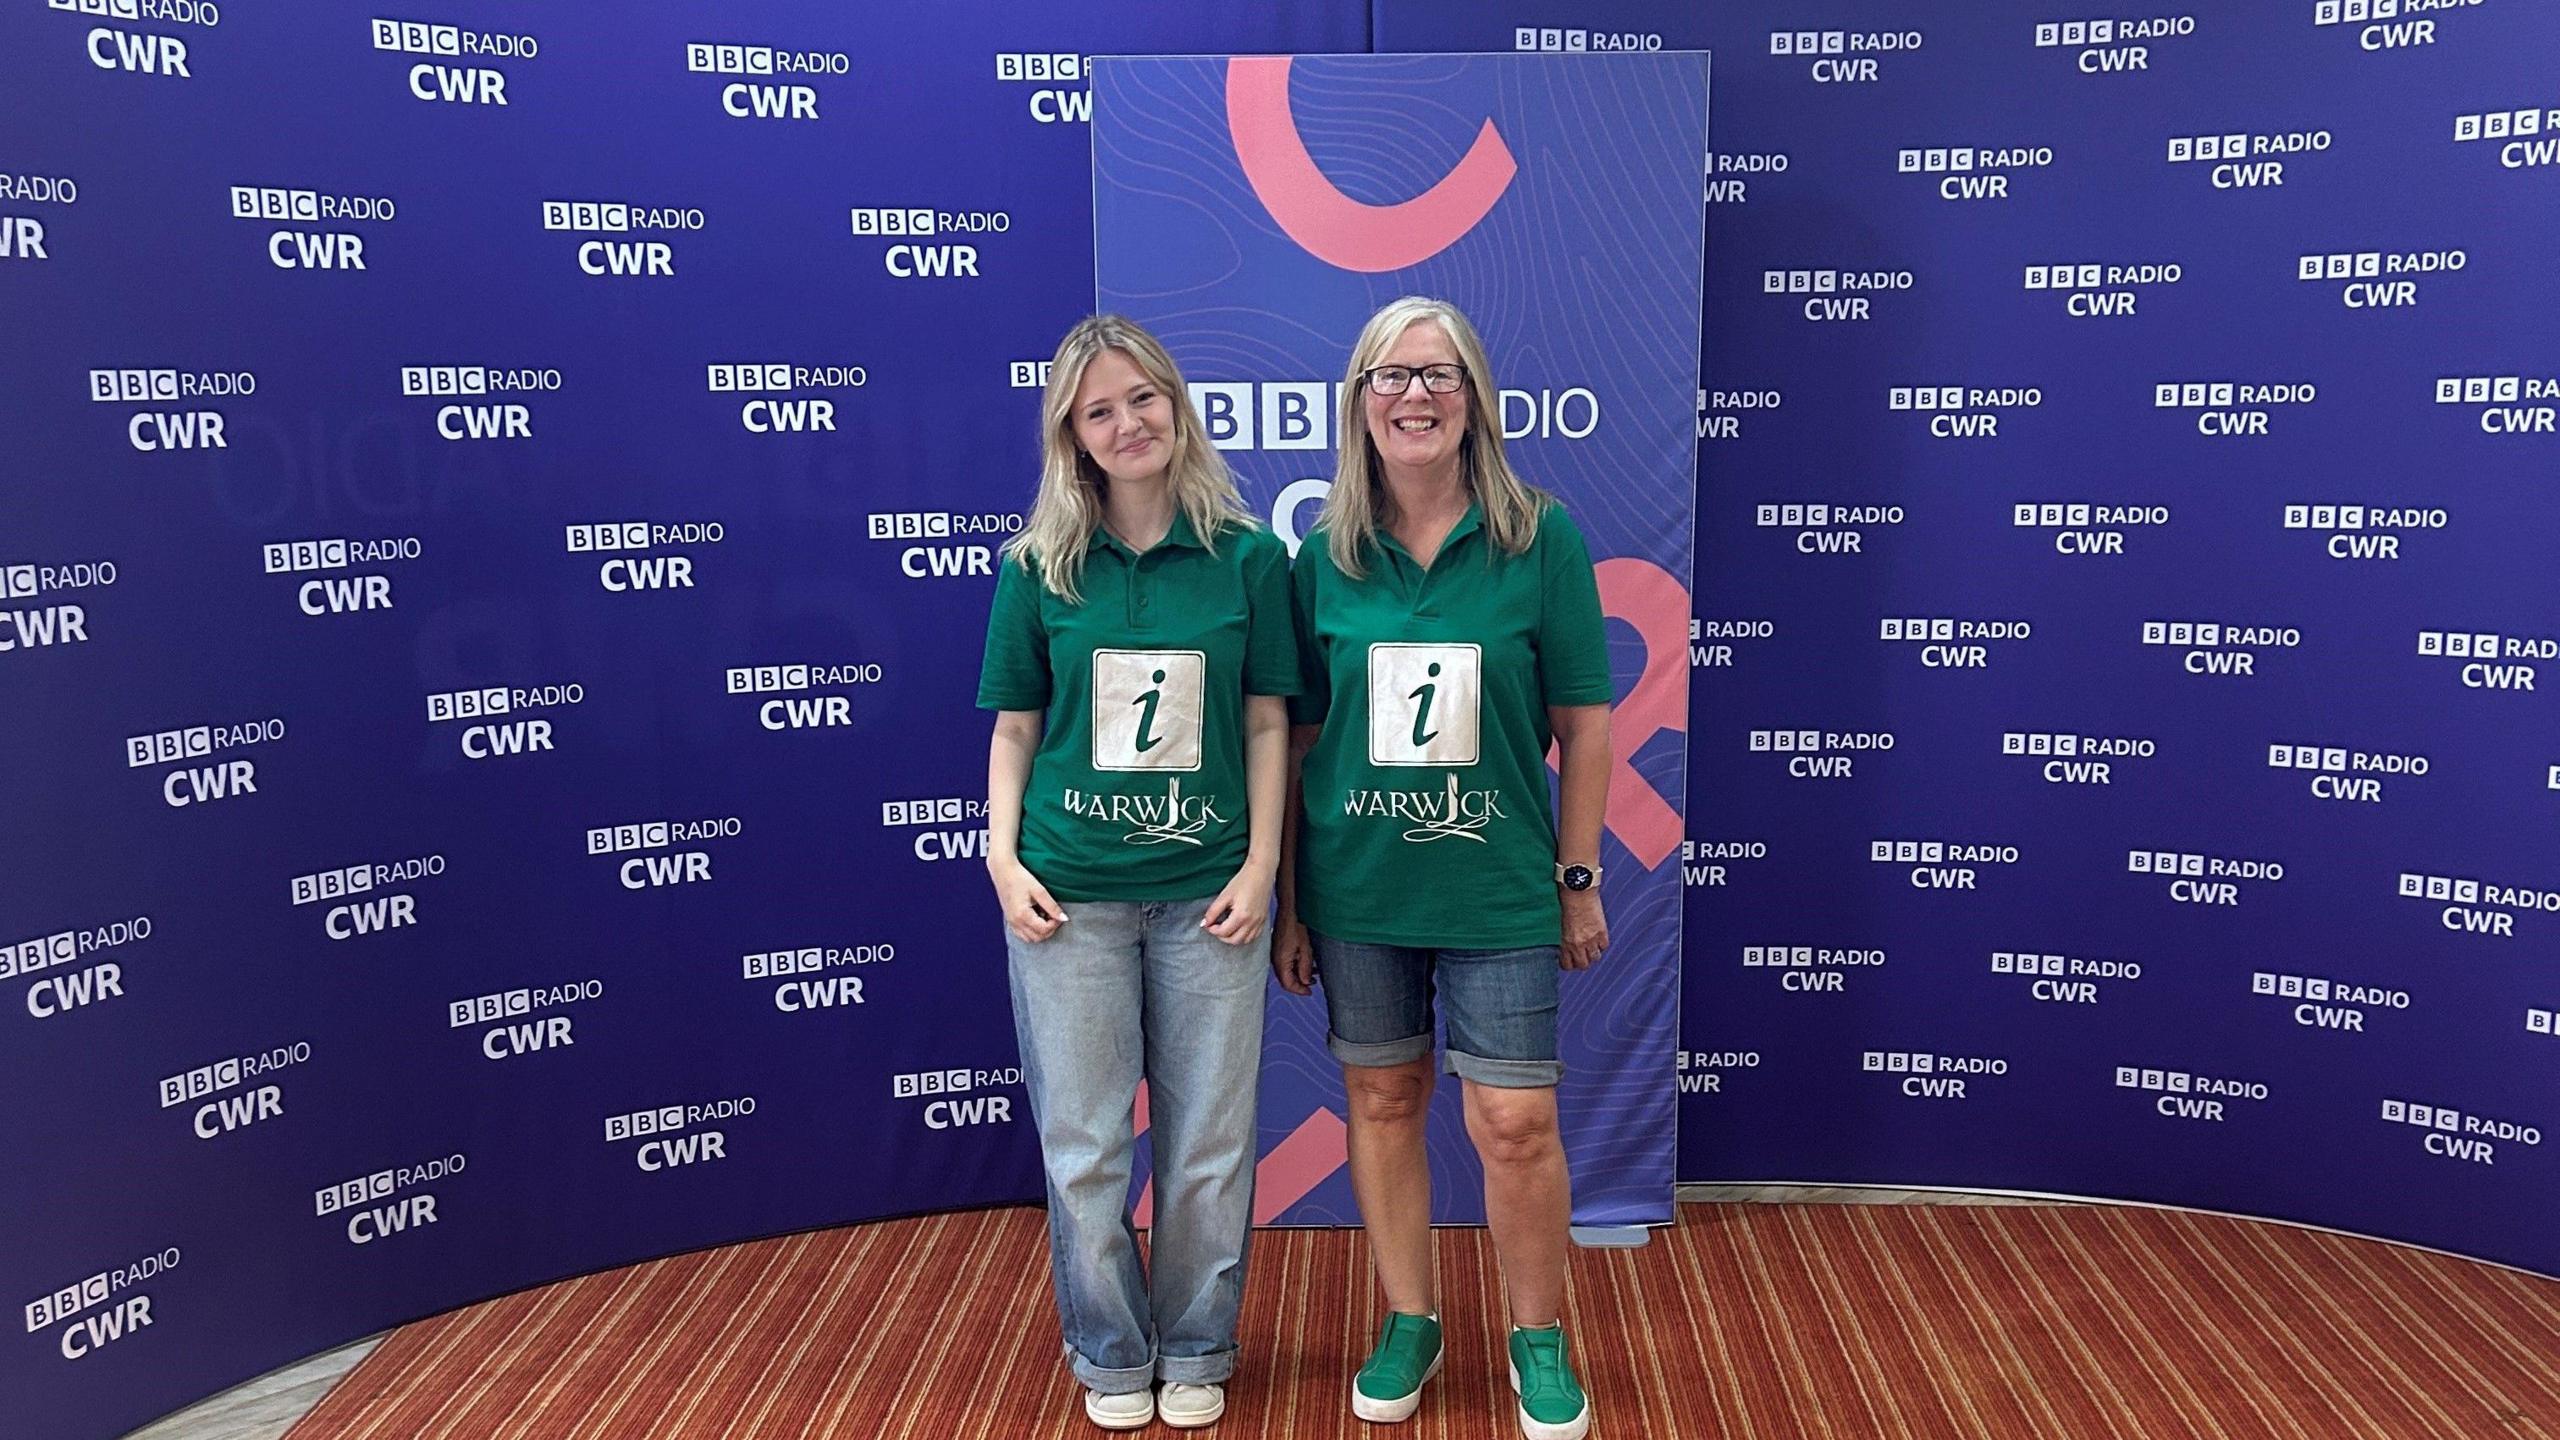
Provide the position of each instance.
(1029, 912)
(1237, 915)
(1586, 928)
(1293, 955)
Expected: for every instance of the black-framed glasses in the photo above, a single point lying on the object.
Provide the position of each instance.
(1396, 379)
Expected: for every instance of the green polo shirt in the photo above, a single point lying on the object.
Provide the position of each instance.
(1428, 818)
(1138, 789)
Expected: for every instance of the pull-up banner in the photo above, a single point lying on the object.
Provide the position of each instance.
(1253, 213)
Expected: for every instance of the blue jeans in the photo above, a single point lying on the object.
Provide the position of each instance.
(1120, 989)
(1499, 1006)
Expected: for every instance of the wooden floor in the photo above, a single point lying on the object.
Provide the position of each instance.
(1761, 1320)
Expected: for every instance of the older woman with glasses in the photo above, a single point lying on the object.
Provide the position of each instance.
(1449, 627)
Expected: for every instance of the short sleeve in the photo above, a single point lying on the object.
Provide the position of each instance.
(1270, 632)
(1573, 640)
(1015, 673)
(1315, 684)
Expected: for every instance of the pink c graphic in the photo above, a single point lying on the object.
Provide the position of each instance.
(1288, 1174)
(1648, 597)
(1332, 226)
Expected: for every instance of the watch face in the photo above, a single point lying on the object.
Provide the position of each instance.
(1577, 877)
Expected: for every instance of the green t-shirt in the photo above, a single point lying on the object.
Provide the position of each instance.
(1428, 820)
(1138, 789)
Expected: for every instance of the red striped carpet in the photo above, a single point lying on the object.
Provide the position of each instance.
(1744, 1321)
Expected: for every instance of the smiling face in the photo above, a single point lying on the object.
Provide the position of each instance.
(1417, 432)
(1123, 419)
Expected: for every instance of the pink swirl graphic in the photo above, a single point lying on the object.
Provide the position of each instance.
(1332, 226)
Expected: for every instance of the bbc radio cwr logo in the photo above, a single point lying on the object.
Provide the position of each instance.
(92, 979)
(1973, 172)
(767, 415)
(2364, 532)
(1949, 643)
(27, 627)
(22, 237)
(1962, 412)
(223, 1114)
(2244, 161)
(788, 709)
(1823, 528)
(947, 828)
(623, 259)
(2385, 24)
(2491, 661)
(1720, 412)
(629, 570)
(1052, 103)
(760, 97)
(664, 1145)
(2454, 1135)
(2084, 528)
(2378, 279)
(2093, 291)
(484, 418)
(2184, 1095)
(798, 996)
(681, 867)
(334, 594)
(1930, 1076)
(2230, 409)
(493, 737)
(2325, 1004)
(962, 558)
(957, 1113)
(317, 249)
(910, 260)
(1836, 294)
(139, 52)
(2532, 135)
(1810, 969)
(203, 784)
(129, 1316)
(433, 80)
(2509, 404)
(373, 1222)
(359, 910)
(2063, 979)
(1844, 56)
(2202, 879)
(196, 428)
(1941, 864)
(2112, 47)
(510, 1034)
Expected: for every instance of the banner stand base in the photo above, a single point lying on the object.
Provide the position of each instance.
(1611, 1237)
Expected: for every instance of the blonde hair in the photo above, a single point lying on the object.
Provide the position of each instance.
(1358, 501)
(1068, 507)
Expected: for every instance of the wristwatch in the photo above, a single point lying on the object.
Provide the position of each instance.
(1577, 877)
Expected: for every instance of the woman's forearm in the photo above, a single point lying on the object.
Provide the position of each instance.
(1009, 751)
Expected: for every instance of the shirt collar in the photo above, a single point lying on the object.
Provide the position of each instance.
(1467, 525)
(1180, 534)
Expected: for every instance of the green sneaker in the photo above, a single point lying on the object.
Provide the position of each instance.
(1389, 1387)
(1552, 1405)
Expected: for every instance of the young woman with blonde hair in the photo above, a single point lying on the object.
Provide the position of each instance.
(1138, 654)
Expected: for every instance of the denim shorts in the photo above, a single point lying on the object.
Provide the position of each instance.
(1499, 1006)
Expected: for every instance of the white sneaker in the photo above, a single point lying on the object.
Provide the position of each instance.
(1132, 1411)
(1188, 1407)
